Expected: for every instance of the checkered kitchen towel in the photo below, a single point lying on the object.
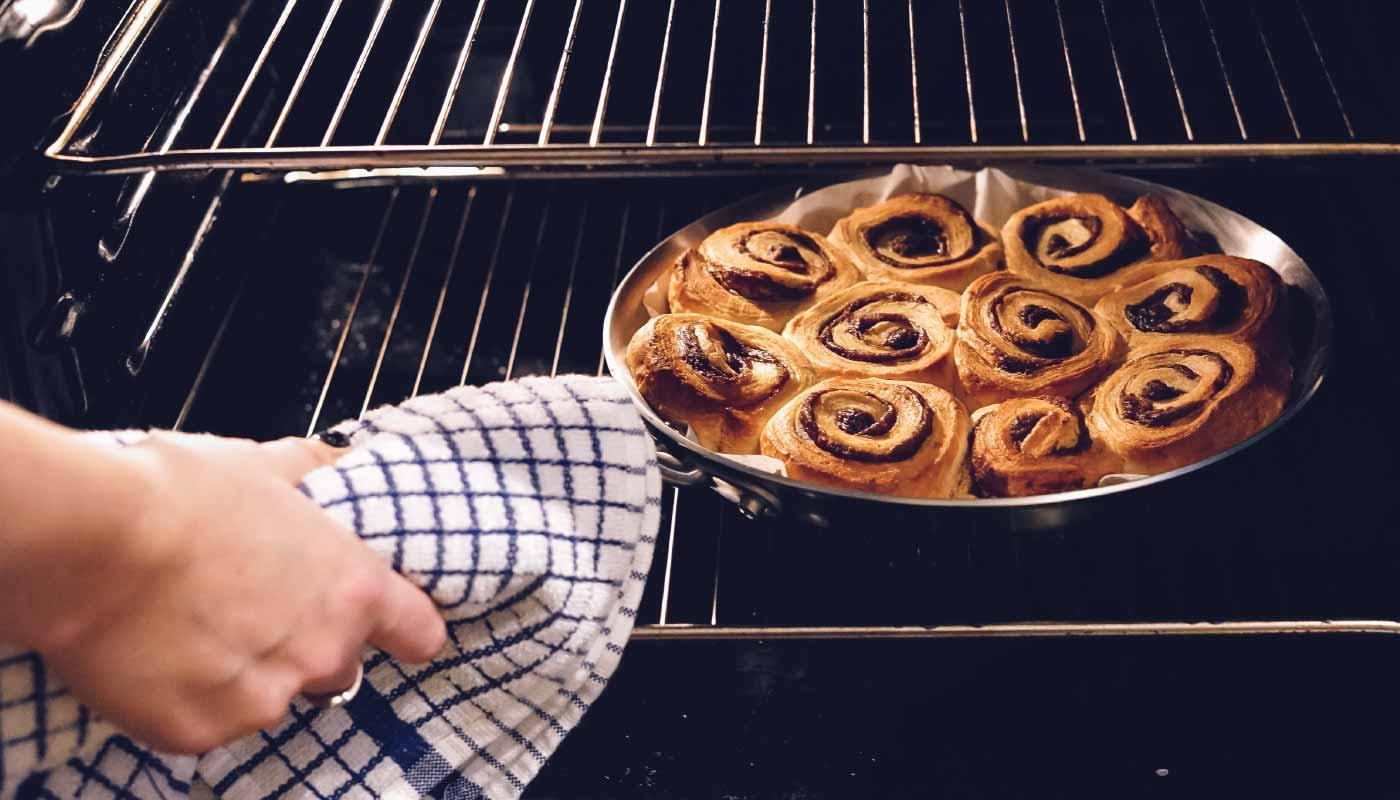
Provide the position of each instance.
(527, 510)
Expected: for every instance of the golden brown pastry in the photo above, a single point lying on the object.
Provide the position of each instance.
(1217, 295)
(1078, 245)
(758, 273)
(880, 329)
(1017, 339)
(722, 378)
(919, 238)
(891, 437)
(1036, 445)
(1177, 402)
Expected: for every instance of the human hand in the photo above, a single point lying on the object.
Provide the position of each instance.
(215, 593)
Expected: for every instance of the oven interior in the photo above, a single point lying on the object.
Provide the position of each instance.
(260, 218)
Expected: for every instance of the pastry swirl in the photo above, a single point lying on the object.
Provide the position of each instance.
(1217, 295)
(886, 330)
(722, 378)
(868, 434)
(1036, 445)
(1177, 402)
(1078, 245)
(927, 239)
(1015, 338)
(758, 273)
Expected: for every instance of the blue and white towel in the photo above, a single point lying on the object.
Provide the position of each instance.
(527, 510)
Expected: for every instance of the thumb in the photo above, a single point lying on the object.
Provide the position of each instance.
(407, 624)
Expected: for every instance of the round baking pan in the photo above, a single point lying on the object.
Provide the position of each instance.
(758, 493)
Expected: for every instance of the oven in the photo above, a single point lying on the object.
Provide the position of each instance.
(259, 217)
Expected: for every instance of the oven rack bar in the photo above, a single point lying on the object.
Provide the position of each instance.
(423, 85)
(507, 156)
(1015, 630)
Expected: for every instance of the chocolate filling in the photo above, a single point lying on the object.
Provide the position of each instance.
(1059, 246)
(756, 285)
(1130, 250)
(904, 342)
(1056, 347)
(989, 481)
(1022, 426)
(1153, 315)
(1140, 408)
(913, 237)
(854, 421)
(1157, 391)
(737, 355)
(858, 422)
(785, 255)
(902, 338)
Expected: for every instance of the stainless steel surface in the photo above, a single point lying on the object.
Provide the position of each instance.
(1016, 72)
(410, 58)
(457, 71)
(1117, 72)
(1171, 70)
(681, 632)
(1273, 66)
(345, 157)
(1069, 70)
(1224, 74)
(626, 314)
(27, 21)
(1326, 71)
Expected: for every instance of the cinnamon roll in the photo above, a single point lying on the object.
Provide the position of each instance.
(1036, 445)
(1176, 402)
(892, 437)
(1016, 338)
(1078, 245)
(1217, 295)
(722, 378)
(880, 329)
(758, 273)
(919, 238)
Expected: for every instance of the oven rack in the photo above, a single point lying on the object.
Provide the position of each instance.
(426, 286)
(495, 86)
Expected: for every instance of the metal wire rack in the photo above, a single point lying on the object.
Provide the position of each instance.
(626, 85)
(422, 287)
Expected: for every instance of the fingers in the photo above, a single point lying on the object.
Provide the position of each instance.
(408, 625)
(334, 683)
(292, 457)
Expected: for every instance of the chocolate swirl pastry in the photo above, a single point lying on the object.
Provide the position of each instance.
(1016, 338)
(758, 273)
(722, 378)
(1217, 295)
(919, 238)
(1078, 245)
(885, 330)
(892, 437)
(1035, 445)
(1173, 403)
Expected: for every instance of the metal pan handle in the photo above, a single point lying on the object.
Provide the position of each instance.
(677, 473)
(754, 501)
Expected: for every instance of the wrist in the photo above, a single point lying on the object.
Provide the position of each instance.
(78, 498)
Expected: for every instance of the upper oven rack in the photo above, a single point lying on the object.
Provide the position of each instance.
(612, 84)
